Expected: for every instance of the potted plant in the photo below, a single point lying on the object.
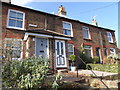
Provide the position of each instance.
(72, 58)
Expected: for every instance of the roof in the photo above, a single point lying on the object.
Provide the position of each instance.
(47, 32)
(59, 16)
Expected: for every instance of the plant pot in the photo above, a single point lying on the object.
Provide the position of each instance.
(73, 68)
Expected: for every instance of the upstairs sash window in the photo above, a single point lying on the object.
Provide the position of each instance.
(67, 28)
(15, 19)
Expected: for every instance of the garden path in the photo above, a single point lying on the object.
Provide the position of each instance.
(98, 73)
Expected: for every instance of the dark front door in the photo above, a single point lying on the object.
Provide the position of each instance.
(98, 53)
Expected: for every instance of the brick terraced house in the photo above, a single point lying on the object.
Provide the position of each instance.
(36, 33)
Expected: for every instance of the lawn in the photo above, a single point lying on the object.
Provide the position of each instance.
(105, 67)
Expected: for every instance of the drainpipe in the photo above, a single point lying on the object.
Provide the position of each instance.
(101, 44)
(53, 53)
(1, 30)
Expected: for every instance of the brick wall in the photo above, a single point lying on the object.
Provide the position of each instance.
(55, 23)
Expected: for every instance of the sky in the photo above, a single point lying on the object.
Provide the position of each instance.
(106, 12)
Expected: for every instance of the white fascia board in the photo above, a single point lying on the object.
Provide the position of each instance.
(64, 38)
(43, 35)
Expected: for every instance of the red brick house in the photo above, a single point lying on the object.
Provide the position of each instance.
(53, 36)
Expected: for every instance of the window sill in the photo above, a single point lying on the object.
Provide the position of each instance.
(87, 39)
(111, 42)
(15, 28)
(69, 35)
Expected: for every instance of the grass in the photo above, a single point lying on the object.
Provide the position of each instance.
(105, 67)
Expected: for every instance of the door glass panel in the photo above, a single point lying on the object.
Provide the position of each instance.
(58, 48)
(62, 48)
(62, 61)
(58, 61)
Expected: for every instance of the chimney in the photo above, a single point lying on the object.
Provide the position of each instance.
(61, 11)
(94, 22)
(7, 1)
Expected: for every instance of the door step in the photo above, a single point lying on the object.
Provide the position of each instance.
(63, 70)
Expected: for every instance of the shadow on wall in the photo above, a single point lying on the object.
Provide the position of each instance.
(78, 62)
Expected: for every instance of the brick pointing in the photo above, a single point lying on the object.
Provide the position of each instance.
(54, 23)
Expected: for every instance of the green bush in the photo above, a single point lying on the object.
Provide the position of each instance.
(27, 73)
(95, 59)
(72, 57)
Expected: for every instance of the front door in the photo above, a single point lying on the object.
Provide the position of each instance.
(41, 47)
(60, 53)
(98, 53)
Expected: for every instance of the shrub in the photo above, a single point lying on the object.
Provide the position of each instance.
(106, 60)
(72, 58)
(114, 58)
(85, 58)
(27, 73)
(95, 59)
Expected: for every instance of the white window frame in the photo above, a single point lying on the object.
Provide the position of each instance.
(67, 29)
(21, 20)
(110, 37)
(113, 50)
(88, 32)
(72, 48)
(21, 55)
(90, 49)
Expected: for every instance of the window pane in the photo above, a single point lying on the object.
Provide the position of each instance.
(108, 34)
(15, 46)
(87, 47)
(68, 32)
(12, 14)
(12, 22)
(65, 31)
(112, 50)
(58, 48)
(109, 37)
(70, 48)
(62, 48)
(16, 54)
(88, 51)
(66, 26)
(85, 34)
(85, 28)
(20, 16)
(19, 24)
(15, 19)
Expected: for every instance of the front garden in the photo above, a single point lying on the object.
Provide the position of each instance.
(113, 68)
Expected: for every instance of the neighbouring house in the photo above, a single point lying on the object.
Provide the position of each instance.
(118, 51)
(34, 33)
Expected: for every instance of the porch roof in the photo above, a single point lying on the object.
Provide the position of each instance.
(46, 33)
